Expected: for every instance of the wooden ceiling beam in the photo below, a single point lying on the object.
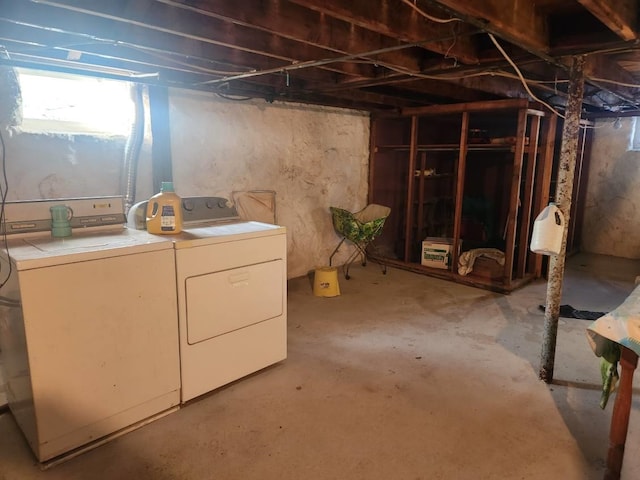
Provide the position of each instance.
(357, 99)
(621, 16)
(164, 18)
(500, 86)
(397, 20)
(40, 43)
(292, 21)
(226, 60)
(600, 67)
(517, 22)
(440, 92)
(411, 84)
(410, 87)
(380, 99)
(630, 61)
(100, 32)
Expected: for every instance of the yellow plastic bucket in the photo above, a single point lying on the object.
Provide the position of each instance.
(325, 282)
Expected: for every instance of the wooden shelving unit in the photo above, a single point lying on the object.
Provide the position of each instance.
(475, 173)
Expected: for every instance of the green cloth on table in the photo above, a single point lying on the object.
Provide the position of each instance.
(609, 371)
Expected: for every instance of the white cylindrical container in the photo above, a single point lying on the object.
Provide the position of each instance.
(548, 227)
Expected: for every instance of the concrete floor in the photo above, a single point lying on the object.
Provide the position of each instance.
(401, 377)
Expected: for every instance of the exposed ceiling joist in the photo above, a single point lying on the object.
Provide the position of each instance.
(621, 16)
(401, 22)
(368, 54)
(149, 15)
(516, 20)
(599, 67)
(302, 25)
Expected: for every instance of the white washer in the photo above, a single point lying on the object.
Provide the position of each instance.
(88, 326)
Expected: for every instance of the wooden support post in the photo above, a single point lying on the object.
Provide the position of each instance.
(420, 199)
(568, 155)
(543, 179)
(409, 210)
(527, 198)
(459, 175)
(514, 202)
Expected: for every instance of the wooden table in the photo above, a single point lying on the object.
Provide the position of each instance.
(621, 413)
(621, 326)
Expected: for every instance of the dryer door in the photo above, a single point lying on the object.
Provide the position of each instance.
(221, 302)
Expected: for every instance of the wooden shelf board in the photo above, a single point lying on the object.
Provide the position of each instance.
(472, 147)
(478, 282)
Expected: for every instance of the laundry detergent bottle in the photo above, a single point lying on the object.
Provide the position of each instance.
(164, 211)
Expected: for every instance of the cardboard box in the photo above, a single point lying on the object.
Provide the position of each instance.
(436, 252)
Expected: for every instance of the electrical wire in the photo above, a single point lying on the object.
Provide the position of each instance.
(453, 44)
(492, 73)
(438, 20)
(427, 16)
(186, 64)
(235, 99)
(526, 86)
(615, 82)
(4, 189)
(521, 77)
(146, 51)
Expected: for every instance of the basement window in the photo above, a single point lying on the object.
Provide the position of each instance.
(74, 104)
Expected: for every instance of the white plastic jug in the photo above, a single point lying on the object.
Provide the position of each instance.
(547, 231)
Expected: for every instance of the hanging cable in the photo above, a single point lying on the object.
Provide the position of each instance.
(427, 16)
(4, 189)
(492, 73)
(521, 77)
(453, 43)
(615, 82)
(235, 99)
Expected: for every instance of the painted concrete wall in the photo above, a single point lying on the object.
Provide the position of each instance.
(612, 207)
(313, 157)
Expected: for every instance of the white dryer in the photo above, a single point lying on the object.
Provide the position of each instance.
(231, 278)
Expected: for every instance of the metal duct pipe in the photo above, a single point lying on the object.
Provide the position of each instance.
(132, 149)
(10, 95)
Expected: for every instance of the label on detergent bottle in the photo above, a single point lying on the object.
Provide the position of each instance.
(167, 219)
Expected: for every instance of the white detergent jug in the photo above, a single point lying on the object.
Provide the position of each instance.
(547, 231)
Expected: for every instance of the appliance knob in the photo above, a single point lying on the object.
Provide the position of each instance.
(187, 205)
(210, 203)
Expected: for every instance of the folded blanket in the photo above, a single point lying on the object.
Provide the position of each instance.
(467, 259)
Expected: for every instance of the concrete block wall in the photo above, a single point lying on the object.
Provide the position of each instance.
(313, 157)
(612, 207)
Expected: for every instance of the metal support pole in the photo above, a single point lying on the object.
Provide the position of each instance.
(564, 189)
